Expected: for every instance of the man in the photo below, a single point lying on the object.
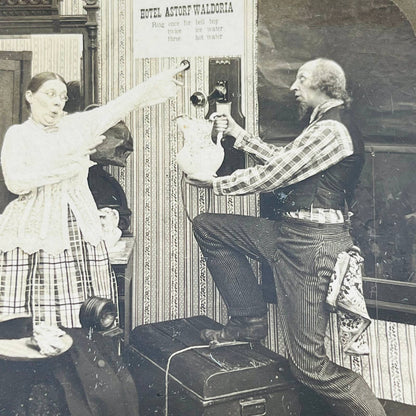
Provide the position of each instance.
(313, 178)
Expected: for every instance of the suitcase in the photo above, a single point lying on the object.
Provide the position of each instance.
(234, 380)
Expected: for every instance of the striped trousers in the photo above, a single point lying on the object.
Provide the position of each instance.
(302, 256)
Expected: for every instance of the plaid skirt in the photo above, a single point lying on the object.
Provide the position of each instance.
(53, 288)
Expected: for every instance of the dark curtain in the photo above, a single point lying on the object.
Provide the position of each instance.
(372, 40)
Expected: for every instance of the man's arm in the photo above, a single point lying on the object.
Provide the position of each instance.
(315, 150)
(255, 146)
(244, 141)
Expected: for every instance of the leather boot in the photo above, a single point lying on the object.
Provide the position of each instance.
(238, 328)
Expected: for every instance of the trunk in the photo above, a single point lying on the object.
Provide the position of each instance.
(243, 380)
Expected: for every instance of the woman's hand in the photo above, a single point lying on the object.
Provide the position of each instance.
(201, 183)
(81, 155)
(92, 146)
(161, 87)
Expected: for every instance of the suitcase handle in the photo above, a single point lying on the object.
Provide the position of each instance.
(253, 407)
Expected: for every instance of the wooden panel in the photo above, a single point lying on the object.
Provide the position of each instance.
(9, 99)
(9, 111)
(29, 7)
(14, 74)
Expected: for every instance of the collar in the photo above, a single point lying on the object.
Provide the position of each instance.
(48, 129)
(323, 108)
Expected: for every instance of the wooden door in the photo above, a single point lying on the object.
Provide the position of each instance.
(15, 73)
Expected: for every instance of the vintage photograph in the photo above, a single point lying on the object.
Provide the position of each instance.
(207, 208)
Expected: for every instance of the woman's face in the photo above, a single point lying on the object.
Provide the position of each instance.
(47, 103)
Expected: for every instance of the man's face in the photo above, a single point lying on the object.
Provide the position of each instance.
(306, 95)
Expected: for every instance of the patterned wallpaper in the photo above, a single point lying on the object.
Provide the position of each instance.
(57, 53)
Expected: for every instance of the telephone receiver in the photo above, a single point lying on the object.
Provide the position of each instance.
(217, 95)
(225, 86)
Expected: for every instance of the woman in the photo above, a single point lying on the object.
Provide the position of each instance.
(52, 256)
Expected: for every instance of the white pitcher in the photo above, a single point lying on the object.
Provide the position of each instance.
(200, 157)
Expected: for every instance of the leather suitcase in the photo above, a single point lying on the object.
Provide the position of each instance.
(234, 380)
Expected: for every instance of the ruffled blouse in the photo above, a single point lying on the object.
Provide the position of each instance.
(48, 169)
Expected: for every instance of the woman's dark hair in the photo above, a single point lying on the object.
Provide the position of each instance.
(39, 79)
(73, 104)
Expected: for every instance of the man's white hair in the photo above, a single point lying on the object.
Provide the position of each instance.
(329, 77)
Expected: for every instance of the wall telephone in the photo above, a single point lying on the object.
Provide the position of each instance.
(224, 98)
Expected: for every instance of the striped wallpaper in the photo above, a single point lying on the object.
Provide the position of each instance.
(56, 53)
(390, 367)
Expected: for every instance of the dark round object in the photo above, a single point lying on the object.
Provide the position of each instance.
(198, 99)
(98, 313)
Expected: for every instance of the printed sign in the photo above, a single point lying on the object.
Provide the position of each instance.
(189, 28)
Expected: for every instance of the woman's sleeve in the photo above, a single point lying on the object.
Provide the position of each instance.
(26, 166)
(153, 91)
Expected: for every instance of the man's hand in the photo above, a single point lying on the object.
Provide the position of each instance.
(225, 124)
(201, 183)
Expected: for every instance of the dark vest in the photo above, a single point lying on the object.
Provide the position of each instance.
(331, 188)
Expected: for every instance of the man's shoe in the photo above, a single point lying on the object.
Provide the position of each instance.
(238, 328)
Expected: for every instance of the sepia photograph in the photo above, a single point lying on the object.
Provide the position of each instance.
(207, 208)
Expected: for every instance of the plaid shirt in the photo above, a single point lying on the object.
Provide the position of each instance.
(321, 145)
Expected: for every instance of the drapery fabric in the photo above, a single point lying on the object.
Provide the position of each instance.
(345, 297)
